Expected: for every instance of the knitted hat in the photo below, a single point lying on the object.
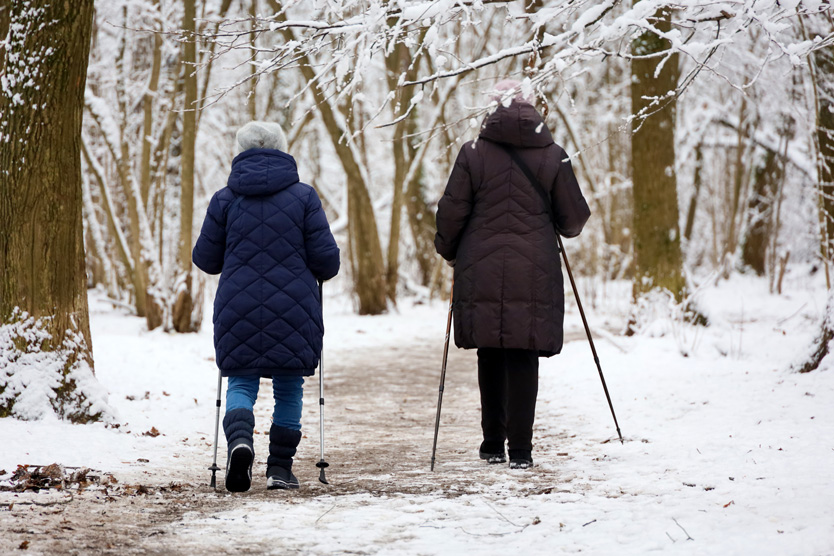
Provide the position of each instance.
(502, 87)
(261, 135)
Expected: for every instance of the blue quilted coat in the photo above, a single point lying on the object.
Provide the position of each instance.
(267, 235)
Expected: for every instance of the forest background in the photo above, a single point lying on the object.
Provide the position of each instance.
(701, 133)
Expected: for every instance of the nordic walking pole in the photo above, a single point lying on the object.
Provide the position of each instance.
(214, 469)
(588, 332)
(321, 464)
(442, 374)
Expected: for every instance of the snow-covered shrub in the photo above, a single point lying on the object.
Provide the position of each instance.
(656, 314)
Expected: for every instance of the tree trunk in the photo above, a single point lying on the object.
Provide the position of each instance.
(822, 75)
(738, 181)
(107, 205)
(45, 330)
(103, 272)
(5, 21)
(146, 267)
(397, 63)
(224, 7)
(767, 175)
(657, 250)
(775, 223)
(823, 60)
(186, 303)
(422, 223)
(696, 184)
(159, 167)
(147, 278)
(147, 126)
(366, 252)
(365, 248)
(122, 158)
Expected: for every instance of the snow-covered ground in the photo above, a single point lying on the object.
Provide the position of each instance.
(727, 450)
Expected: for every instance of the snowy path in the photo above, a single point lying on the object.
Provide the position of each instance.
(725, 447)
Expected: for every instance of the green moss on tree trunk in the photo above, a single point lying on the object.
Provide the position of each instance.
(656, 233)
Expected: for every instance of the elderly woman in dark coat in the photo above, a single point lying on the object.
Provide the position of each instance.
(267, 235)
(493, 226)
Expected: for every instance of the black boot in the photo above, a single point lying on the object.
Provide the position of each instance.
(282, 445)
(492, 451)
(238, 424)
(521, 459)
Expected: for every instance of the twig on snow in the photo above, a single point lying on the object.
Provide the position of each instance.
(324, 514)
(688, 537)
(784, 320)
(502, 516)
(492, 534)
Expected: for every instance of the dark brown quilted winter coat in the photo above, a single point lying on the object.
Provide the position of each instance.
(509, 290)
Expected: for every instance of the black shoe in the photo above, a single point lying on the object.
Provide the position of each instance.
(493, 452)
(521, 459)
(280, 478)
(239, 468)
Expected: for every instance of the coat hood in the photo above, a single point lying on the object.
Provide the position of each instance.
(262, 172)
(519, 125)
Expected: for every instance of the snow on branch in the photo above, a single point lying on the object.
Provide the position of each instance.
(348, 41)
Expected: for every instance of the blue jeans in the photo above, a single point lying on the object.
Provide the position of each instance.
(287, 391)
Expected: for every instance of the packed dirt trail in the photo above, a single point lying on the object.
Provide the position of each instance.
(379, 422)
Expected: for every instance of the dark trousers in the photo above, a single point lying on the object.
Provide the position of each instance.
(509, 383)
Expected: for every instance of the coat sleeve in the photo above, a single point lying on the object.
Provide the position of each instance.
(210, 248)
(569, 206)
(454, 208)
(322, 252)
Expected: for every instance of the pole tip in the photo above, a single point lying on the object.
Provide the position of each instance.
(214, 469)
(322, 465)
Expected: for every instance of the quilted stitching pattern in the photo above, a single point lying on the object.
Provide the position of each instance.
(282, 446)
(509, 290)
(267, 235)
(238, 425)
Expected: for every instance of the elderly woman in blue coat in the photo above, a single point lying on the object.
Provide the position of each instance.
(267, 236)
